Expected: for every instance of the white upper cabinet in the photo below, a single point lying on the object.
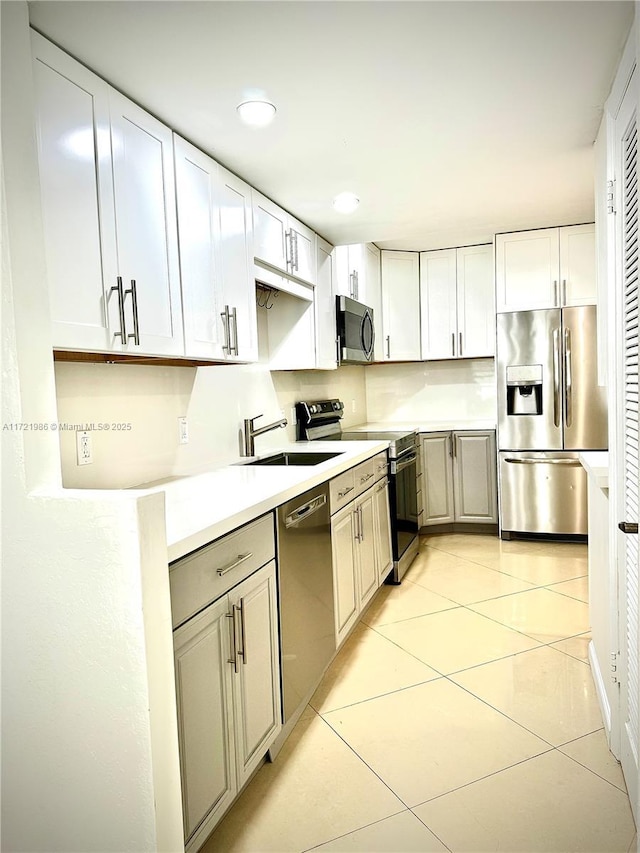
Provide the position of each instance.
(351, 272)
(400, 306)
(548, 268)
(373, 281)
(281, 241)
(108, 197)
(325, 308)
(456, 303)
(216, 264)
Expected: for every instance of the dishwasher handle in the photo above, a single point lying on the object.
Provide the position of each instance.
(305, 511)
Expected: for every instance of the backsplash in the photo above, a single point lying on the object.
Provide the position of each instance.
(431, 391)
(141, 404)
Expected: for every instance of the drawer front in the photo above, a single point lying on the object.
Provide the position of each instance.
(342, 490)
(197, 580)
(380, 465)
(364, 475)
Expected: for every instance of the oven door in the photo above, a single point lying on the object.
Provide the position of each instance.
(403, 502)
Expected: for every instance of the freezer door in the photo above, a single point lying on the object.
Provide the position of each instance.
(542, 493)
(584, 401)
(529, 344)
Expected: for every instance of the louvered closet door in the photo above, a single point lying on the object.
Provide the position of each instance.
(627, 176)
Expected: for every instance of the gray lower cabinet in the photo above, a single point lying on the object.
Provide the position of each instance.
(459, 477)
(227, 672)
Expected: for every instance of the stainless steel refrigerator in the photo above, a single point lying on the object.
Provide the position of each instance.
(549, 408)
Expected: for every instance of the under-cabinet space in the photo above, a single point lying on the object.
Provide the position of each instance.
(286, 329)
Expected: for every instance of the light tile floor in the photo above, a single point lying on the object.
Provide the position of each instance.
(460, 715)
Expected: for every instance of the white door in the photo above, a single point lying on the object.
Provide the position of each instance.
(269, 229)
(475, 302)
(256, 692)
(527, 270)
(74, 154)
(203, 693)
(236, 262)
(303, 248)
(626, 451)
(373, 295)
(205, 331)
(367, 565)
(578, 265)
(146, 230)
(438, 304)
(437, 489)
(401, 305)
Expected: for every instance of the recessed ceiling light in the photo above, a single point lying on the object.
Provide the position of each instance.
(346, 202)
(256, 113)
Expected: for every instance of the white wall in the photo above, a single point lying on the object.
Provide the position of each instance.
(432, 390)
(215, 400)
(84, 706)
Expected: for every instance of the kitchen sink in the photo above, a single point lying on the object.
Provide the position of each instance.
(294, 458)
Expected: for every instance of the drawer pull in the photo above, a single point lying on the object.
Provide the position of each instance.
(241, 558)
(345, 492)
(366, 477)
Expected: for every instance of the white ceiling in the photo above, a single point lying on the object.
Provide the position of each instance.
(450, 120)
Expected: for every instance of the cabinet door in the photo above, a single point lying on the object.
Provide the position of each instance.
(146, 230)
(303, 262)
(199, 240)
(438, 304)
(401, 306)
(474, 466)
(351, 272)
(74, 154)
(256, 685)
(203, 691)
(367, 565)
(384, 555)
(437, 482)
(527, 270)
(578, 265)
(475, 302)
(236, 262)
(344, 571)
(269, 228)
(373, 295)
(325, 308)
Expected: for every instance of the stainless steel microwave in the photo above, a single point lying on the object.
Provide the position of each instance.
(356, 334)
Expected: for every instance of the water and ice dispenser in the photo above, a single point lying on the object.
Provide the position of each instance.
(524, 389)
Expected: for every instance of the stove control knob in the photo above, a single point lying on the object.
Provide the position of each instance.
(313, 409)
(336, 405)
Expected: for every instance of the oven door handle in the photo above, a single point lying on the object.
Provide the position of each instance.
(398, 465)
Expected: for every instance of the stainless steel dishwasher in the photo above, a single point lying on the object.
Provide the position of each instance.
(307, 626)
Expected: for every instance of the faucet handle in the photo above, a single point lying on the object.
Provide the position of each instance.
(252, 420)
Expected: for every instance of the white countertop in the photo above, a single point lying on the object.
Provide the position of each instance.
(425, 426)
(596, 464)
(202, 507)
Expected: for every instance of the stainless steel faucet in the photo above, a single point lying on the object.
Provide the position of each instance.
(250, 433)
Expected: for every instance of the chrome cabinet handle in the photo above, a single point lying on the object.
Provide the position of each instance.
(352, 285)
(564, 291)
(241, 558)
(243, 632)
(388, 346)
(122, 334)
(227, 334)
(568, 379)
(356, 516)
(555, 292)
(453, 343)
(628, 527)
(133, 290)
(556, 377)
(450, 442)
(383, 485)
(361, 524)
(459, 343)
(356, 280)
(366, 477)
(233, 660)
(296, 257)
(287, 249)
(234, 316)
(345, 492)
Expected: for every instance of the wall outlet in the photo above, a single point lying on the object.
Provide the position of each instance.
(183, 431)
(84, 448)
(292, 416)
(353, 405)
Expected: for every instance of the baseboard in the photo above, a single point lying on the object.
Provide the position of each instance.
(459, 527)
(603, 699)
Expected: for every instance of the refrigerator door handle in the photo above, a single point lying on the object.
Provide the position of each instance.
(568, 382)
(571, 463)
(556, 377)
